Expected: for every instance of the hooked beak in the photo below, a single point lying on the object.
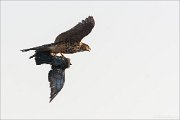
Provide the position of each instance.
(89, 49)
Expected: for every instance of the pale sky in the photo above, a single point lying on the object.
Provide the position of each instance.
(132, 70)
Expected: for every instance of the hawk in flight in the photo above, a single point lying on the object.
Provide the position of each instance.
(68, 42)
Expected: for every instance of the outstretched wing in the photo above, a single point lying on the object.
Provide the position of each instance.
(56, 75)
(56, 78)
(78, 32)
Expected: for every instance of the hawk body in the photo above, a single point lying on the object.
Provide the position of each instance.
(70, 41)
(66, 48)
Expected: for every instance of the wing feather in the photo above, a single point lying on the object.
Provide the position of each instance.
(56, 78)
(78, 32)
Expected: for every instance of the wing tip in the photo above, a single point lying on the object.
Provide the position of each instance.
(89, 19)
(51, 100)
(52, 97)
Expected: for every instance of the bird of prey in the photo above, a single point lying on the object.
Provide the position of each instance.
(70, 41)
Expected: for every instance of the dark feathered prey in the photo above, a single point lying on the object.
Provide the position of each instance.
(56, 75)
(70, 41)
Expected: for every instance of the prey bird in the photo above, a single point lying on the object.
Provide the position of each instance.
(69, 42)
(56, 75)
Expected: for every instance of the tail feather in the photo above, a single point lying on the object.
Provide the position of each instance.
(45, 47)
(25, 50)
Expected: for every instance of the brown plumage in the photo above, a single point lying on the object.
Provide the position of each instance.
(70, 41)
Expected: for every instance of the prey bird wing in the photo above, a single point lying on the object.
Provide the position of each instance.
(56, 75)
(56, 78)
(78, 32)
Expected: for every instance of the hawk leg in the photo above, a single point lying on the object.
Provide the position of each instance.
(62, 54)
(53, 54)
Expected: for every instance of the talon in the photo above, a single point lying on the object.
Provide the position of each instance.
(53, 54)
(62, 55)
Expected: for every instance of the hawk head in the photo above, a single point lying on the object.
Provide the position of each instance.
(84, 47)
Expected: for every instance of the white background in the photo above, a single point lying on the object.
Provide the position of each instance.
(132, 70)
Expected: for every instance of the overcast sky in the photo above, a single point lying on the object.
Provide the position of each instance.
(132, 70)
